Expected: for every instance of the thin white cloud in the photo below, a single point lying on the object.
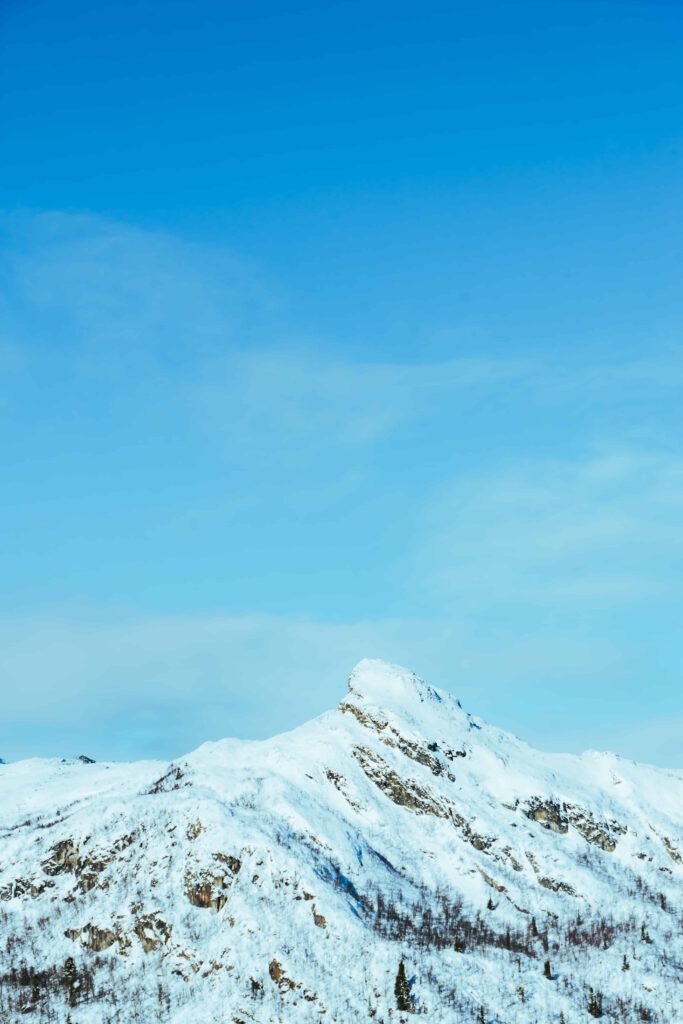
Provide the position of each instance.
(154, 312)
(161, 314)
(604, 530)
(192, 331)
(141, 685)
(322, 401)
(145, 686)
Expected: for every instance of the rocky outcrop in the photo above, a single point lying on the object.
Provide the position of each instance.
(557, 817)
(152, 931)
(404, 792)
(208, 887)
(92, 937)
(63, 857)
(319, 920)
(21, 887)
(168, 782)
(423, 752)
(556, 886)
(549, 814)
(672, 850)
(598, 833)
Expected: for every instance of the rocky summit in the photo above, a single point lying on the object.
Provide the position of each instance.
(395, 858)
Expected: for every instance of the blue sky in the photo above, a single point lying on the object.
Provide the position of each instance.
(331, 331)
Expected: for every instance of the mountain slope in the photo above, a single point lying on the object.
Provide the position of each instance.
(394, 857)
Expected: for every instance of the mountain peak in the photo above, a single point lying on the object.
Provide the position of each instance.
(391, 687)
(379, 680)
(509, 883)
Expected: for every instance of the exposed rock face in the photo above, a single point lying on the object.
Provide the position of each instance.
(599, 833)
(97, 939)
(556, 886)
(206, 894)
(208, 887)
(404, 792)
(672, 850)
(288, 881)
(20, 887)
(318, 918)
(63, 857)
(152, 931)
(549, 814)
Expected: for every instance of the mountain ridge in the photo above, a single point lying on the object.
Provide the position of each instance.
(288, 879)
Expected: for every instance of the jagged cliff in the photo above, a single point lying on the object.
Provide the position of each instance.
(395, 857)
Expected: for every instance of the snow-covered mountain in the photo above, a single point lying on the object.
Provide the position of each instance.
(395, 857)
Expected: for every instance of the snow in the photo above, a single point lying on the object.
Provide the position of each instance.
(398, 793)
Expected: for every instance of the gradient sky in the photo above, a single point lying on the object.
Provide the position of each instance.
(334, 330)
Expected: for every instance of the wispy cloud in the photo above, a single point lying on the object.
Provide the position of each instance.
(157, 686)
(156, 313)
(601, 530)
(322, 401)
(140, 686)
(117, 310)
(527, 495)
(100, 286)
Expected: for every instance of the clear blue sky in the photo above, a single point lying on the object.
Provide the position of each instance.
(331, 331)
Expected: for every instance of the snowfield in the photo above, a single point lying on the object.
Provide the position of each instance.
(392, 859)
